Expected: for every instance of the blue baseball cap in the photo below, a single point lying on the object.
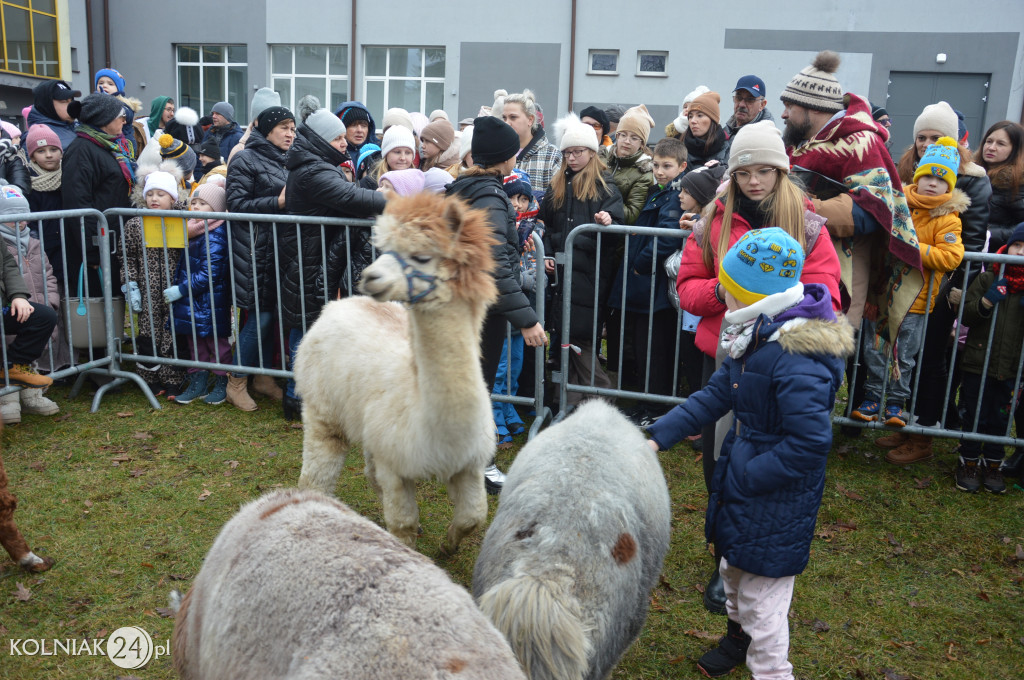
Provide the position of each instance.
(752, 84)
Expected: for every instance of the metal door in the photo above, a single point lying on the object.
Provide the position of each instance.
(909, 92)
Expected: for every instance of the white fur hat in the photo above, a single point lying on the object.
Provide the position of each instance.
(164, 181)
(465, 142)
(940, 117)
(758, 144)
(397, 137)
(571, 132)
(680, 123)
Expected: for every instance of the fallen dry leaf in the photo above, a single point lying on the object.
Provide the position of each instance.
(115, 572)
(983, 596)
(136, 473)
(60, 419)
(678, 659)
(1007, 540)
(125, 414)
(205, 494)
(852, 495)
(38, 466)
(165, 612)
(21, 593)
(147, 565)
(142, 435)
(820, 626)
(890, 674)
(1019, 554)
(922, 483)
(88, 503)
(665, 584)
(703, 635)
(231, 463)
(296, 426)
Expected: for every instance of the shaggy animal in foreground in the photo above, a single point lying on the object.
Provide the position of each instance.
(297, 585)
(567, 566)
(403, 378)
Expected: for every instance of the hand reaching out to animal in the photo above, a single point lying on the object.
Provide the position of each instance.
(535, 335)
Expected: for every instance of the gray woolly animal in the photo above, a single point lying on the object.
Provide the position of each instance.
(297, 585)
(567, 566)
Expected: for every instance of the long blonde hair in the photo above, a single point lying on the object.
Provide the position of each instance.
(588, 184)
(784, 206)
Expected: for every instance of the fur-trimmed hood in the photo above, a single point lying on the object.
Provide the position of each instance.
(973, 169)
(131, 102)
(137, 196)
(817, 336)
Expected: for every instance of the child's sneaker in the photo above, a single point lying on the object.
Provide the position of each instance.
(894, 416)
(866, 412)
(992, 476)
(967, 475)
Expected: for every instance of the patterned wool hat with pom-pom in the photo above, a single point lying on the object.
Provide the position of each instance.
(172, 149)
(816, 87)
(942, 160)
(762, 263)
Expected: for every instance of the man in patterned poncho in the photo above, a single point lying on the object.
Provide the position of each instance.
(840, 150)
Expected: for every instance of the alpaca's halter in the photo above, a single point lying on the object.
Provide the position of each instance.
(411, 275)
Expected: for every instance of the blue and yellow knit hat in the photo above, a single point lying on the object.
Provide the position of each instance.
(763, 262)
(941, 159)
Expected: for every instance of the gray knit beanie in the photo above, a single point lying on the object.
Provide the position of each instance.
(325, 124)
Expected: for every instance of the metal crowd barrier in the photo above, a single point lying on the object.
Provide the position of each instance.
(617, 235)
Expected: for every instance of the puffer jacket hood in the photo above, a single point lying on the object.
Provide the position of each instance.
(371, 137)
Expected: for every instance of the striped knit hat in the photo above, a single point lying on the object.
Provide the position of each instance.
(815, 87)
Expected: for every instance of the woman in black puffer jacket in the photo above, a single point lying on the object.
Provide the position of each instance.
(256, 184)
(317, 186)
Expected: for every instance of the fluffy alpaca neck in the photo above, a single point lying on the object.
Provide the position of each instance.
(446, 349)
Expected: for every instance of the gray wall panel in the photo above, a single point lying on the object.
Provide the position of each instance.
(484, 70)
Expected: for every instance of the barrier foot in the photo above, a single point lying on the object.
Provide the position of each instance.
(542, 420)
(121, 378)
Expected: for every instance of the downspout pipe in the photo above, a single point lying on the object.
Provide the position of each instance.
(352, 57)
(572, 53)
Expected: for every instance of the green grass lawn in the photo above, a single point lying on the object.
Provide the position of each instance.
(908, 577)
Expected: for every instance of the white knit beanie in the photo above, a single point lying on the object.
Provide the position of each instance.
(575, 133)
(397, 137)
(397, 116)
(940, 117)
(758, 144)
(438, 113)
(325, 124)
(164, 181)
(465, 142)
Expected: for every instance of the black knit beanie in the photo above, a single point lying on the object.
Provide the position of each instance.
(270, 118)
(599, 115)
(354, 113)
(702, 183)
(97, 110)
(494, 141)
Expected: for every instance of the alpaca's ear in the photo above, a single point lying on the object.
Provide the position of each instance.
(454, 213)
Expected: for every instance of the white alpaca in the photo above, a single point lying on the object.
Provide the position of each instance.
(567, 566)
(404, 380)
(297, 585)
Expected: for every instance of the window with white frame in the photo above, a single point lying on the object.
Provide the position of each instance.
(411, 78)
(651, 63)
(319, 70)
(603, 63)
(208, 74)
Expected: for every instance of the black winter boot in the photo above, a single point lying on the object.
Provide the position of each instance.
(714, 592)
(730, 653)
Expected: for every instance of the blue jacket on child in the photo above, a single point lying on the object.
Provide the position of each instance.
(197, 278)
(661, 210)
(769, 480)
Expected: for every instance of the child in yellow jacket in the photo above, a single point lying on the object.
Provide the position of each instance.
(935, 205)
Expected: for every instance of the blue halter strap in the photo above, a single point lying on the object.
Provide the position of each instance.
(412, 274)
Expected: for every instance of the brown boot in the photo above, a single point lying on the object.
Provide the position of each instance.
(891, 441)
(237, 394)
(264, 384)
(917, 448)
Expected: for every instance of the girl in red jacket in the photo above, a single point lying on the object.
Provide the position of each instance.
(759, 194)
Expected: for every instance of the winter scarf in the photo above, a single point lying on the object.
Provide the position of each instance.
(737, 335)
(156, 114)
(44, 180)
(851, 150)
(105, 141)
(1013, 273)
(197, 227)
(699, 147)
(752, 211)
(17, 236)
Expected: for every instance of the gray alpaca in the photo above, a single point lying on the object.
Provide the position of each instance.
(567, 566)
(297, 585)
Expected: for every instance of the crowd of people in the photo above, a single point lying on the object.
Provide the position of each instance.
(859, 237)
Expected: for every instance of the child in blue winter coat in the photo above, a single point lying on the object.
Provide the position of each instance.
(201, 297)
(786, 353)
(643, 270)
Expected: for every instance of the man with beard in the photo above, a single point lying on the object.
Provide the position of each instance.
(835, 144)
(748, 104)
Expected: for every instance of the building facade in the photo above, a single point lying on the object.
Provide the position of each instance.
(571, 53)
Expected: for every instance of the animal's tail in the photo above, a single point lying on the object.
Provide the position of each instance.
(542, 621)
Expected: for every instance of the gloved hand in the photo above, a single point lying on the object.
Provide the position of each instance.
(7, 149)
(173, 293)
(996, 293)
(134, 295)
